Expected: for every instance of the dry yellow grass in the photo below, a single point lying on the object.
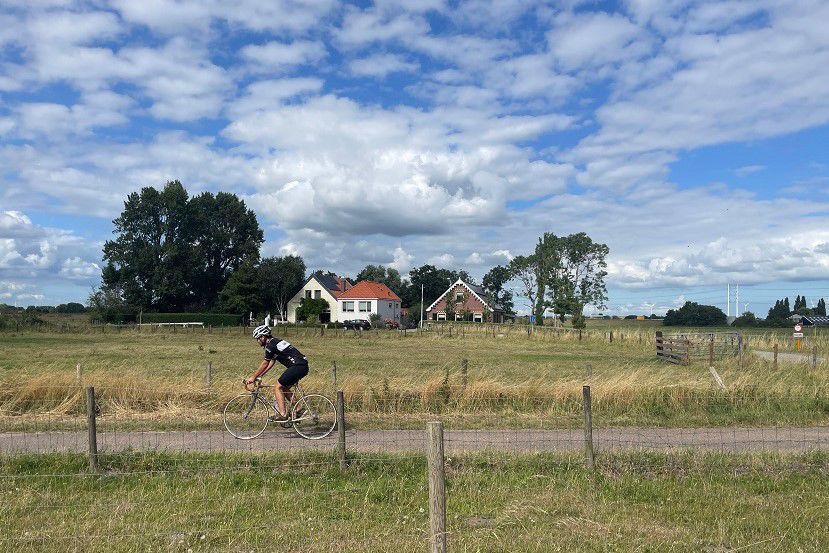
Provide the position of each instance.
(161, 375)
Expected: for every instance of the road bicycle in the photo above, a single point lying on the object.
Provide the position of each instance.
(313, 416)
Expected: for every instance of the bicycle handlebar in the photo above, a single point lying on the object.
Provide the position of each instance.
(256, 383)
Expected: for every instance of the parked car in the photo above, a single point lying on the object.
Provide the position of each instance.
(360, 324)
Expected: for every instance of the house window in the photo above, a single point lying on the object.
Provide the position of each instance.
(317, 294)
(390, 306)
(348, 306)
(441, 316)
(458, 296)
(365, 306)
(458, 316)
(477, 317)
(308, 294)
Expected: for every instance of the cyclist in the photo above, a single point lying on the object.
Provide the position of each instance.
(296, 368)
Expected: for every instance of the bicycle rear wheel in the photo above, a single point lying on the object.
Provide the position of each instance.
(314, 417)
(246, 416)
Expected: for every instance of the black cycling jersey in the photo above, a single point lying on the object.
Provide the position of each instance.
(283, 352)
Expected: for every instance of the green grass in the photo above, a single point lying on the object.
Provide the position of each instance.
(526, 503)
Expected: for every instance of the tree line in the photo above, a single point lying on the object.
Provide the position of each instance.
(176, 253)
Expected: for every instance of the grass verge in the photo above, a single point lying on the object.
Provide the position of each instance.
(524, 503)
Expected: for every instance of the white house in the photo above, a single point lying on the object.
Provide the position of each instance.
(367, 298)
(327, 286)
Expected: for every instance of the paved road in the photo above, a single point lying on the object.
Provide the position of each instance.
(784, 357)
(708, 439)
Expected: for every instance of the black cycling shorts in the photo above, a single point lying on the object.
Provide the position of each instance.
(293, 374)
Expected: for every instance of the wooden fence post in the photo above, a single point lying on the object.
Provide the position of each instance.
(775, 356)
(579, 335)
(92, 429)
(711, 353)
(814, 357)
(341, 429)
(208, 376)
(78, 373)
(437, 487)
(588, 428)
(334, 374)
(464, 372)
(611, 336)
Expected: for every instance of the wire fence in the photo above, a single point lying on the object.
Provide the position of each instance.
(169, 477)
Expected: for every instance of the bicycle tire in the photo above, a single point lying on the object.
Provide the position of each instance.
(246, 421)
(314, 417)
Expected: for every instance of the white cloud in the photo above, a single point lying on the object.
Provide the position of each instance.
(380, 65)
(748, 169)
(595, 39)
(278, 57)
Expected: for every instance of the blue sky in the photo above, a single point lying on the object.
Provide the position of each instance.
(687, 135)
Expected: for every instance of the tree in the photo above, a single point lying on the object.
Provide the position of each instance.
(70, 307)
(106, 303)
(526, 270)
(779, 314)
(243, 291)
(147, 263)
(435, 282)
(310, 309)
(173, 253)
(494, 283)
(747, 319)
(281, 278)
(821, 308)
(384, 275)
(574, 270)
(449, 308)
(225, 234)
(694, 314)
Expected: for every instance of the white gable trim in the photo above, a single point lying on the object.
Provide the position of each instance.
(465, 285)
(301, 293)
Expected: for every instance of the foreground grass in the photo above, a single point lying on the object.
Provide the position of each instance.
(529, 503)
(156, 380)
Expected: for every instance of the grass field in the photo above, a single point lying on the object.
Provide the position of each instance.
(532, 503)
(535, 380)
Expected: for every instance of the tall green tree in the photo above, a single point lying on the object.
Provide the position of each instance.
(149, 260)
(384, 275)
(435, 282)
(527, 271)
(694, 314)
(174, 253)
(495, 282)
(281, 278)
(820, 309)
(575, 272)
(243, 291)
(225, 234)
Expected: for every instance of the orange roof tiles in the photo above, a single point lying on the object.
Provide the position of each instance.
(366, 289)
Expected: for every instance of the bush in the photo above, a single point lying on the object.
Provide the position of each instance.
(310, 309)
(747, 319)
(694, 314)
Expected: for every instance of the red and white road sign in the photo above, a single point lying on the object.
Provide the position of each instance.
(798, 328)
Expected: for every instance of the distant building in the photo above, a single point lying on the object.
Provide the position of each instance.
(469, 303)
(367, 298)
(327, 286)
(815, 320)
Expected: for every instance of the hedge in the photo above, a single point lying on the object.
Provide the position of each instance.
(210, 319)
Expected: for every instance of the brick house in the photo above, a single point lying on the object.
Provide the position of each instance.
(469, 303)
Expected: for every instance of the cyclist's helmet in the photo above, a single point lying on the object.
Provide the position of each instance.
(263, 330)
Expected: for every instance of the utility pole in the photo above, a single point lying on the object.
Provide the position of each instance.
(421, 306)
(737, 303)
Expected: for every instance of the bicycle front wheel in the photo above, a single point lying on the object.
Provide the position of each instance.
(246, 416)
(314, 417)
